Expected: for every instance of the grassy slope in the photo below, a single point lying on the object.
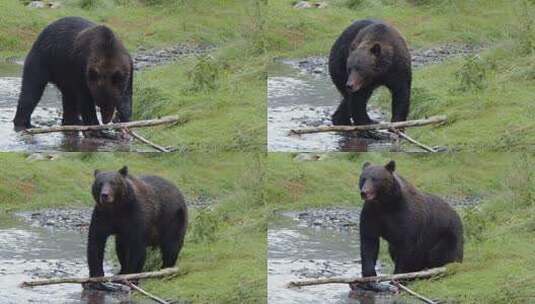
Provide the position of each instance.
(499, 262)
(230, 117)
(230, 269)
(498, 118)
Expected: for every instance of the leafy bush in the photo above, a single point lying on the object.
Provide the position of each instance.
(472, 75)
(352, 4)
(525, 32)
(474, 223)
(149, 101)
(204, 226)
(90, 4)
(422, 102)
(204, 75)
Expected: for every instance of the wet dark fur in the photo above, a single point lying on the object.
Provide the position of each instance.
(63, 54)
(422, 230)
(145, 211)
(392, 69)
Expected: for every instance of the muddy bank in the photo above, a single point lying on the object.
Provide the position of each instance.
(323, 243)
(316, 243)
(301, 94)
(32, 252)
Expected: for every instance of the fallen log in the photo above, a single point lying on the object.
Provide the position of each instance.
(380, 126)
(115, 278)
(400, 276)
(120, 125)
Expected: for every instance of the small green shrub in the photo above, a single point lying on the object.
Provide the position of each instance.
(89, 4)
(525, 32)
(422, 102)
(204, 75)
(353, 4)
(472, 75)
(149, 101)
(474, 223)
(204, 227)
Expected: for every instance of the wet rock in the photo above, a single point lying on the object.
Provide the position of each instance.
(43, 156)
(36, 4)
(144, 58)
(307, 4)
(44, 4)
(64, 219)
(340, 219)
(306, 157)
(303, 4)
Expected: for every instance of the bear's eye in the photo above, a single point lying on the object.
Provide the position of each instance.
(93, 75)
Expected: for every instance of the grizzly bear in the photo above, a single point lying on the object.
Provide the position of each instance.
(90, 67)
(369, 54)
(421, 229)
(144, 211)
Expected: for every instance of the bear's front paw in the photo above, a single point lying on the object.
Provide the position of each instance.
(373, 286)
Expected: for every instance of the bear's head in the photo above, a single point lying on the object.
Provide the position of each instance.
(368, 60)
(110, 187)
(377, 183)
(108, 73)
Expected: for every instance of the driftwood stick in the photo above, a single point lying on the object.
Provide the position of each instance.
(146, 141)
(379, 126)
(120, 125)
(413, 293)
(115, 278)
(400, 276)
(413, 141)
(155, 298)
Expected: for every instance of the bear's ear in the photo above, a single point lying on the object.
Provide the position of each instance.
(391, 166)
(97, 171)
(376, 49)
(365, 165)
(124, 171)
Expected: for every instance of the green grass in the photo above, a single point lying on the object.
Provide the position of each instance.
(498, 117)
(228, 267)
(229, 116)
(499, 265)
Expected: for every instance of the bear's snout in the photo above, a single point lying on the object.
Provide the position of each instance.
(106, 195)
(367, 196)
(354, 81)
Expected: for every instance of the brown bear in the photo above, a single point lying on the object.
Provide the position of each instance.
(421, 229)
(141, 212)
(90, 67)
(369, 54)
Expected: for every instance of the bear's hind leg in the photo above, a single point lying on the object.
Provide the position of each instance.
(34, 80)
(444, 252)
